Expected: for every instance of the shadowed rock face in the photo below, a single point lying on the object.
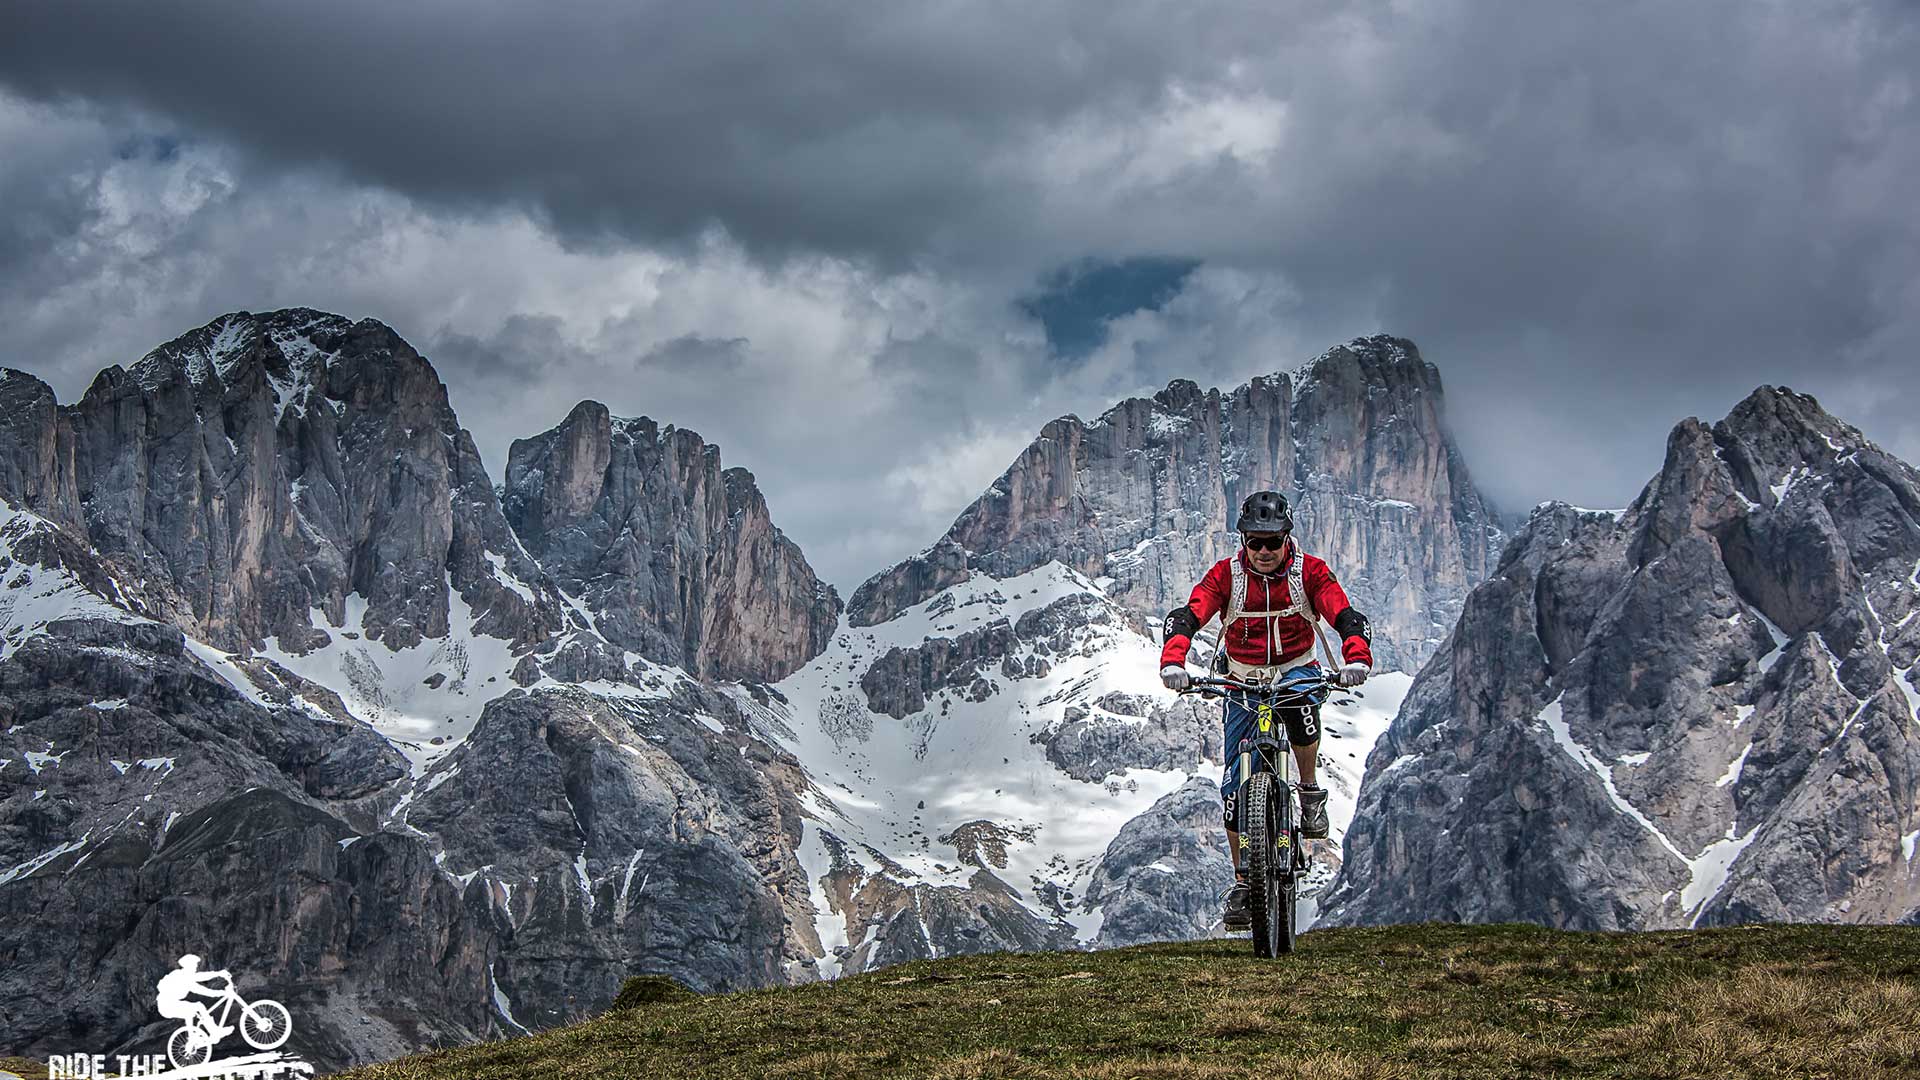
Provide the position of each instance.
(1699, 711)
(678, 558)
(1145, 495)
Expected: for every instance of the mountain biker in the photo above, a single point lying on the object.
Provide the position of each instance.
(1269, 596)
(178, 986)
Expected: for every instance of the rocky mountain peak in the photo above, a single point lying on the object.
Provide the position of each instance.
(1142, 498)
(267, 467)
(1378, 360)
(1708, 699)
(1180, 396)
(283, 344)
(677, 556)
(259, 603)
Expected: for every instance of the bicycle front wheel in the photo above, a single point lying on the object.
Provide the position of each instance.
(265, 1025)
(1270, 900)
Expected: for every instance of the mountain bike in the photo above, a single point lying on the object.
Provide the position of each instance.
(1275, 860)
(264, 1024)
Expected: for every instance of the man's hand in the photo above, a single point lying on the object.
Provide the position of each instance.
(1174, 676)
(1352, 675)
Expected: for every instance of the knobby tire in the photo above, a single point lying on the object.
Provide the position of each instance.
(1270, 899)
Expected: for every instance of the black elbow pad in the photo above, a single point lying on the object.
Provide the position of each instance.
(1352, 624)
(1180, 623)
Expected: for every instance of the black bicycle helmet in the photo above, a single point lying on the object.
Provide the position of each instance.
(1265, 512)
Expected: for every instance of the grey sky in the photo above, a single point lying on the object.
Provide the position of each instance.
(814, 233)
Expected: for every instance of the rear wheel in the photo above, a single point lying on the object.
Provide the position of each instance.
(185, 1049)
(1270, 879)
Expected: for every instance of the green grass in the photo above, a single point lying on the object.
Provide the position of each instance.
(1392, 1002)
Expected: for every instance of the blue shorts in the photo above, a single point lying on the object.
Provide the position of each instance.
(1302, 724)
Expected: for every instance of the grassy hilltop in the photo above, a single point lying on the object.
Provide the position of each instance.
(1390, 1002)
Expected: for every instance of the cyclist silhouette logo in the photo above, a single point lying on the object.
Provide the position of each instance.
(209, 1010)
(262, 1024)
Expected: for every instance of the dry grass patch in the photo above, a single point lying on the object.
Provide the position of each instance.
(1180, 1067)
(1495, 1051)
(1772, 1022)
(1242, 1025)
(1325, 1066)
(24, 1067)
(843, 1063)
(993, 1064)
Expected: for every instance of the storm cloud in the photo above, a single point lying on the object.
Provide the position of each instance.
(852, 243)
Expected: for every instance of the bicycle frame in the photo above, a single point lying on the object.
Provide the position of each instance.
(228, 999)
(1262, 750)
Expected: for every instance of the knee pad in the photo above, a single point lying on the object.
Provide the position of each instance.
(1303, 726)
(1231, 801)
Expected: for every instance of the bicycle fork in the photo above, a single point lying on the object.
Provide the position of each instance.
(1252, 750)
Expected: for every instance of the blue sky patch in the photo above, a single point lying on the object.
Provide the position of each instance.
(1076, 302)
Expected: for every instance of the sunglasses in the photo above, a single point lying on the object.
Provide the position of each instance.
(1264, 543)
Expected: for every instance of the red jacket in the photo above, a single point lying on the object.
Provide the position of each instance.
(1247, 638)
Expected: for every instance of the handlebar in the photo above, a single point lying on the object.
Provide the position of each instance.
(1211, 687)
(1195, 686)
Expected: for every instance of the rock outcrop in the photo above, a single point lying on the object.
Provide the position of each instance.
(1096, 739)
(1696, 711)
(1142, 499)
(1164, 874)
(677, 558)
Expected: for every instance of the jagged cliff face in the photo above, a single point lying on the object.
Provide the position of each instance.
(1143, 498)
(280, 685)
(1696, 711)
(677, 558)
(262, 469)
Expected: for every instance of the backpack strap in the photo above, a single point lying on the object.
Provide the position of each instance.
(1303, 603)
(1297, 587)
(1237, 598)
